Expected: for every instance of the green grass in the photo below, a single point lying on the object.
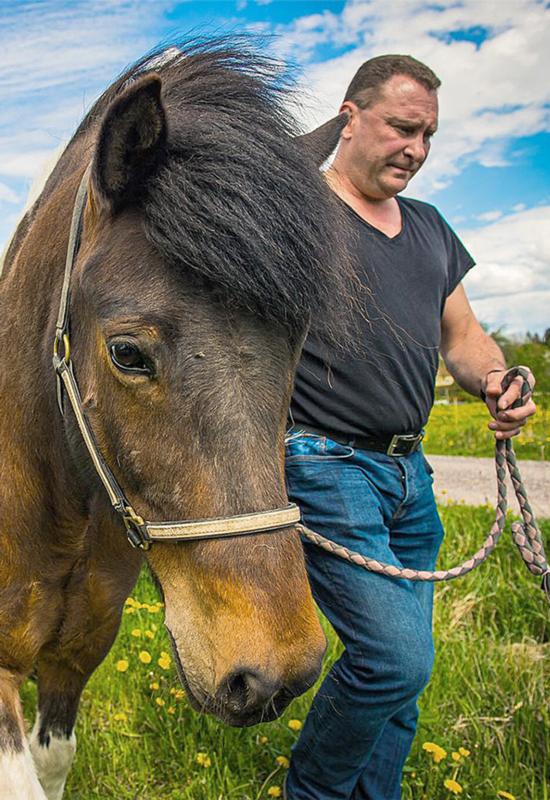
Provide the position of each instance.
(461, 430)
(487, 695)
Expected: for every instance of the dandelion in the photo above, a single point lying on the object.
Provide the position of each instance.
(505, 795)
(204, 760)
(129, 610)
(122, 665)
(463, 752)
(295, 725)
(164, 661)
(120, 717)
(283, 761)
(154, 686)
(131, 602)
(151, 609)
(437, 752)
(149, 634)
(136, 632)
(456, 756)
(160, 702)
(170, 710)
(145, 657)
(263, 740)
(274, 791)
(452, 786)
(179, 694)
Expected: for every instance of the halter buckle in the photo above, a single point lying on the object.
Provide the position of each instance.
(136, 529)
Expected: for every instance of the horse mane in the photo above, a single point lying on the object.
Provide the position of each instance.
(237, 203)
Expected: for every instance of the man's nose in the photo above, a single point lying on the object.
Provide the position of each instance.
(417, 148)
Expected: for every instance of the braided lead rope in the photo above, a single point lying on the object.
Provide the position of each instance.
(527, 536)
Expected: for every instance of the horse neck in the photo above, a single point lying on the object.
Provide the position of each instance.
(29, 299)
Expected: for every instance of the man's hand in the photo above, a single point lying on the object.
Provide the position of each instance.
(508, 421)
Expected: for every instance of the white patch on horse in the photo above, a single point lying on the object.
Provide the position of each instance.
(18, 779)
(52, 761)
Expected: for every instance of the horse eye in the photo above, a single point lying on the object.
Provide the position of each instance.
(128, 358)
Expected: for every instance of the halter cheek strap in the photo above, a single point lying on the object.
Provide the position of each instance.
(140, 532)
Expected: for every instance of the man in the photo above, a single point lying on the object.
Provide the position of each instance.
(354, 461)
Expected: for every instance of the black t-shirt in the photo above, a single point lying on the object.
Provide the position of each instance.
(389, 389)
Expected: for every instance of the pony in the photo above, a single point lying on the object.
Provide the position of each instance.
(206, 244)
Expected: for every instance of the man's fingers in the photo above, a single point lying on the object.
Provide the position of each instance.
(516, 414)
(496, 425)
(507, 434)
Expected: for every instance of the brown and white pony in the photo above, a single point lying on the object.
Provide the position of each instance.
(209, 242)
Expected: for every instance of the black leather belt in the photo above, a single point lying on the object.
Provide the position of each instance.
(392, 445)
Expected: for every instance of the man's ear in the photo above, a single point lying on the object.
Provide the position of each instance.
(321, 142)
(350, 108)
(130, 145)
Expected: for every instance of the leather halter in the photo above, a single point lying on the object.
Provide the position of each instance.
(140, 532)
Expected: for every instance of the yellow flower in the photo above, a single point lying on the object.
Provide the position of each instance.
(452, 786)
(179, 694)
(149, 634)
(295, 725)
(152, 609)
(145, 657)
(283, 761)
(131, 602)
(436, 751)
(505, 795)
(120, 717)
(154, 686)
(136, 632)
(204, 760)
(455, 756)
(164, 661)
(262, 740)
(122, 665)
(160, 702)
(463, 752)
(170, 710)
(129, 610)
(274, 791)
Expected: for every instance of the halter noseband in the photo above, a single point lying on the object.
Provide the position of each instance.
(140, 532)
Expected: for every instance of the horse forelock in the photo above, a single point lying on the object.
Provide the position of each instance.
(236, 204)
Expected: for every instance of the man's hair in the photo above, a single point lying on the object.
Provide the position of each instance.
(372, 75)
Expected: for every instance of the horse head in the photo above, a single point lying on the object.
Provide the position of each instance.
(208, 243)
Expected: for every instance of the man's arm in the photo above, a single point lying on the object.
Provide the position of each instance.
(477, 364)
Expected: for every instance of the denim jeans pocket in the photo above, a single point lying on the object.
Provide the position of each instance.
(311, 447)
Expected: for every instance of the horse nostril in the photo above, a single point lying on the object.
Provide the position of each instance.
(246, 690)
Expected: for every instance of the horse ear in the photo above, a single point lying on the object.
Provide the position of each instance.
(321, 142)
(130, 143)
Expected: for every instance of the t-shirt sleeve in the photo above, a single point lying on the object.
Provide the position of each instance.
(459, 260)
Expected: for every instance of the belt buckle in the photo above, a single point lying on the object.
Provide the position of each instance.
(404, 444)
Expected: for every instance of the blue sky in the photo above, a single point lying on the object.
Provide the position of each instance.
(489, 168)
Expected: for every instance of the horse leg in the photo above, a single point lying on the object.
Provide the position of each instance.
(18, 780)
(95, 595)
(53, 741)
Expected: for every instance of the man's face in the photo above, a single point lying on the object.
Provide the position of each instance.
(387, 143)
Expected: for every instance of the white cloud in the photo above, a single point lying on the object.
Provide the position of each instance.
(489, 216)
(510, 284)
(8, 195)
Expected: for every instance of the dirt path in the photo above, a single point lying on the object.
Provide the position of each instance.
(473, 481)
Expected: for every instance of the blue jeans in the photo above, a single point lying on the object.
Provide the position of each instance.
(362, 721)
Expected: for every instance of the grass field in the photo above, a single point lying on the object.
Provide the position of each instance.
(140, 740)
(461, 430)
